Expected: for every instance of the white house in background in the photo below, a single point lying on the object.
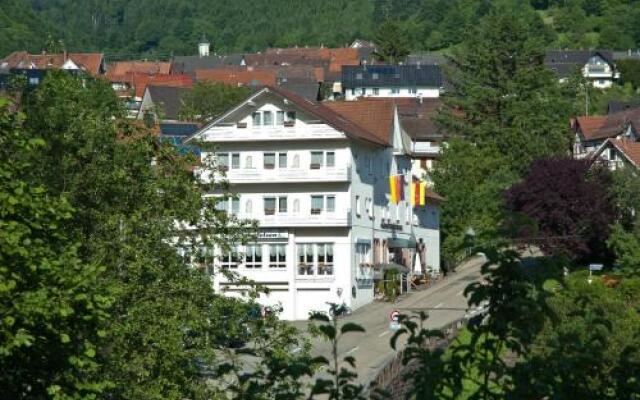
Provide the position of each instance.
(424, 81)
(596, 66)
(618, 153)
(317, 181)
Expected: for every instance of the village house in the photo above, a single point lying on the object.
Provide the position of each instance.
(590, 132)
(417, 81)
(596, 66)
(330, 187)
(618, 153)
(34, 66)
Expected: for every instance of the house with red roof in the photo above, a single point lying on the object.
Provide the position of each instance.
(618, 153)
(590, 132)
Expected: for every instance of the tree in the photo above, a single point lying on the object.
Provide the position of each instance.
(629, 72)
(567, 206)
(392, 43)
(52, 318)
(505, 109)
(207, 100)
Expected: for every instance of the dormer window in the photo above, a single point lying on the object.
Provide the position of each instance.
(257, 119)
(375, 76)
(359, 75)
(267, 118)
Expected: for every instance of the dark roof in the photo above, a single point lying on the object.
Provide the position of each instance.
(417, 118)
(566, 62)
(608, 126)
(392, 75)
(303, 88)
(619, 106)
(178, 128)
(189, 64)
(168, 98)
(626, 55)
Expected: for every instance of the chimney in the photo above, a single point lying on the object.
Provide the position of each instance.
(203, 47)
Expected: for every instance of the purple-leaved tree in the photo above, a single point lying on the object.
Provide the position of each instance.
(564, 207)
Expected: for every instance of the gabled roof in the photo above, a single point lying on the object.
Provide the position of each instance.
(237, 76)
(608, 126)
(566, 62)
(319, 110)
(189, 64)
(140, 81)
(392, 76)
(168, 98)
(375, 115)
(88, 62)
(142, 67)
(417, 118)
(628, 148)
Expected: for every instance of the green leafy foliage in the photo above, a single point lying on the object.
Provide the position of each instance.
(207, 100)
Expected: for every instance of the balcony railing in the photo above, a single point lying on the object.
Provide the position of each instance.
(235, 133)
(426, 148)
(323, 174)
(340, 217)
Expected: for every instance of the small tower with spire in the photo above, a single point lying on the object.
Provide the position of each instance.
(203, 46)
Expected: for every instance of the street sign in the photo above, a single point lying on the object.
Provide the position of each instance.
(595, 267)
(394, 317)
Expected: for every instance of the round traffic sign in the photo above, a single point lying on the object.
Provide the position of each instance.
(394, 316)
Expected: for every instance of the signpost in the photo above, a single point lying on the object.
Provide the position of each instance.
(394, 318)
(594, 267)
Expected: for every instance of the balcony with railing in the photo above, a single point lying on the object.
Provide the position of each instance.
(337, 218)
(425, 148)
(598, 71)
(298, 131)
(289, 175)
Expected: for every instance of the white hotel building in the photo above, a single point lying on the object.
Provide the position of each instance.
(316, 178)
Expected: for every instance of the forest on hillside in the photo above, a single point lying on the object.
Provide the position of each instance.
(158, 28)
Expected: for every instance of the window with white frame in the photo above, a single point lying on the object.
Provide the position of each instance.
(222, 160)
(305, 259)
(267, 118)
(282, 205)
(235, 160)
(269, 205)
(277, 256)
(331, 159)
(330, 204)
(363, 259)
(256, 118)
(322, 203)
(235, 206)
(279, 117)
(230, 259)
(253, 256)
(358, 210)
(316, 159)
(228, 204)
(269, 160)
(316, 204)
(324, 253)
(282, 160)
(315, 259)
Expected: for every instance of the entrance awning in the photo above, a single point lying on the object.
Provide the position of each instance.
(395, 243)
(379, 269)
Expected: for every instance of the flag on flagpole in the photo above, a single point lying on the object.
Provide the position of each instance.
(413, 194)
(393, 189)
(400, 183)
(416, 194)
(423, 193)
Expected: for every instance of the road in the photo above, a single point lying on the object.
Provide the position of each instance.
(444, 302)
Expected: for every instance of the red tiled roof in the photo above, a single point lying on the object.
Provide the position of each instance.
(89, 62)
(143, 67)
(629, 148)
(139, 82)
(236, 76)
(590, 126)
(375, 115)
